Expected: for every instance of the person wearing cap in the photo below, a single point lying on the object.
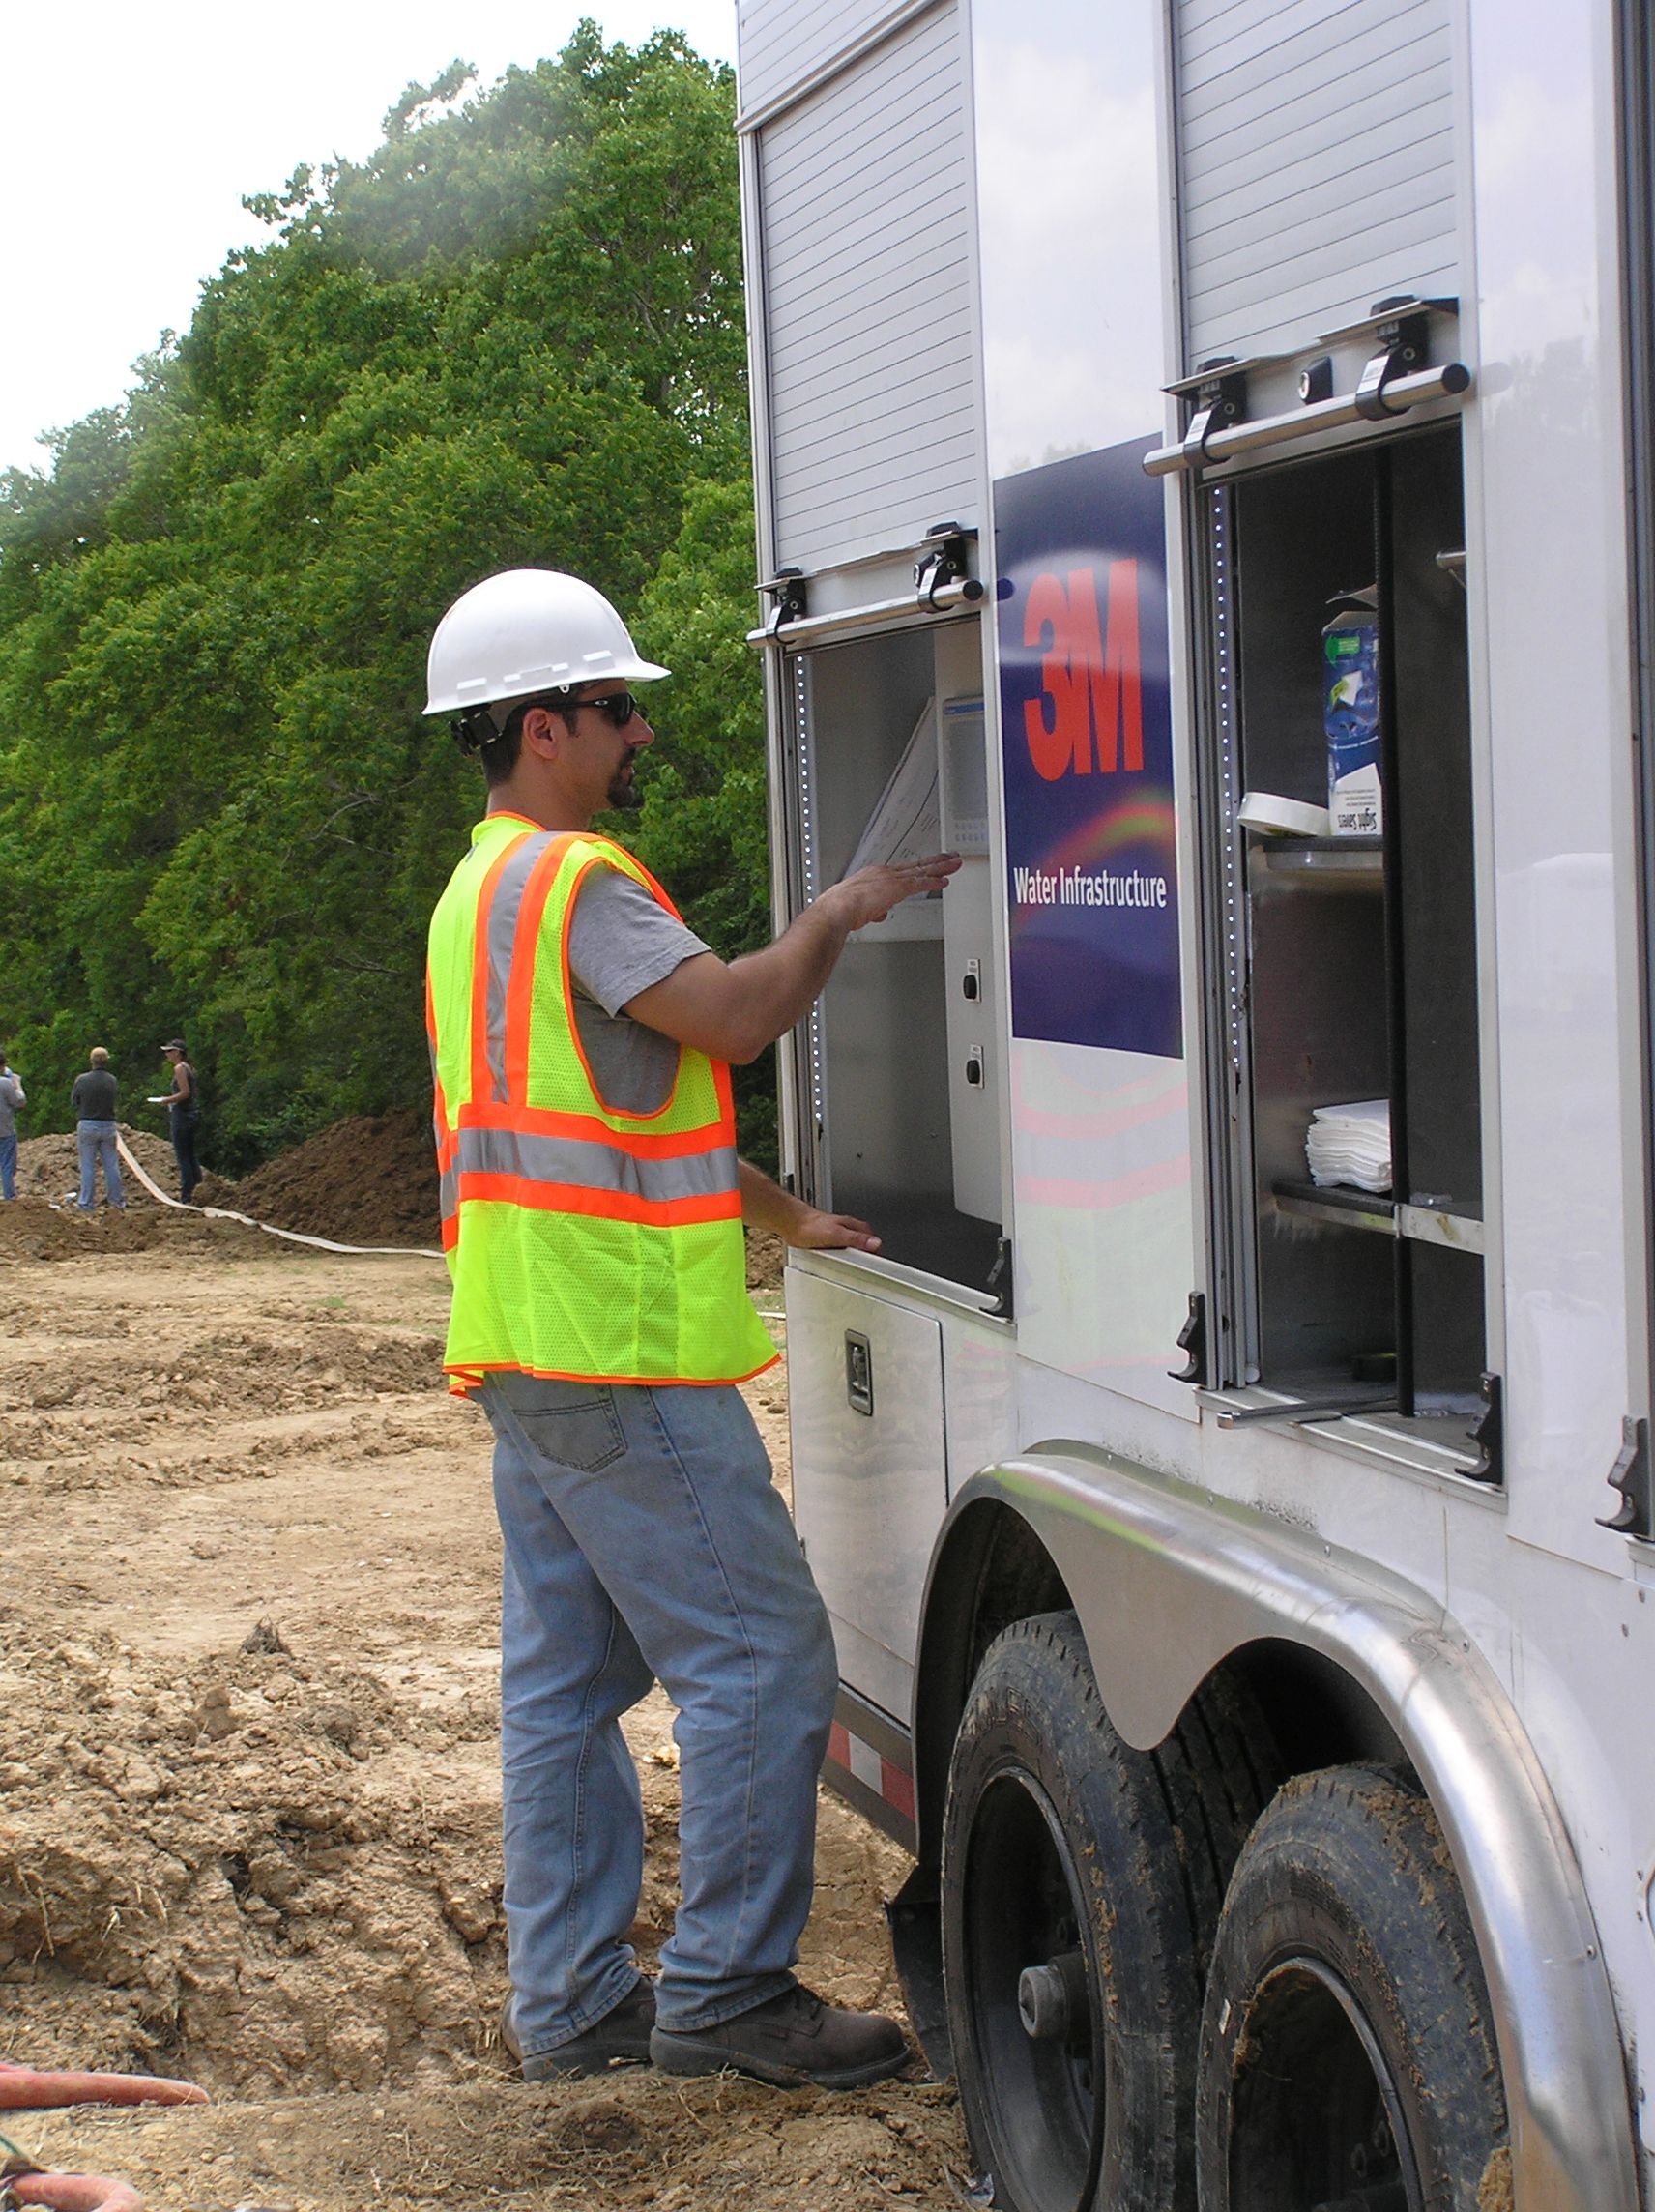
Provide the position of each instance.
(593, 1200)
(12, 1097)
(94, 1101)
(183, 1103)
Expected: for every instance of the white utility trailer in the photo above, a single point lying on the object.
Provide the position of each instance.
(1241, 1579)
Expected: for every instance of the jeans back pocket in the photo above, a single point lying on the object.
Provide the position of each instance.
(573, 1424)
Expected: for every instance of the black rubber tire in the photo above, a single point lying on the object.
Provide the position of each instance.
(1348, 2054)
(1044, 1800)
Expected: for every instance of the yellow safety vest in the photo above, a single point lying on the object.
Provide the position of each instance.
(581, 1241)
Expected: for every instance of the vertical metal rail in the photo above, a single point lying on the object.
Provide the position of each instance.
(1396, 978)
(1232, 1345)
(1638, 278)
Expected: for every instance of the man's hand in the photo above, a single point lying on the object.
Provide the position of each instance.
(871, 893)
(765, 1204)
(814, 1232)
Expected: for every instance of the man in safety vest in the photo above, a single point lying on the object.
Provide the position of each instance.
(593, 1204)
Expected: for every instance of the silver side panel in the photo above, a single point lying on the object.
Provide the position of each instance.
(865, 290)
(870, 1487)
(1170, 1580)
(1316, 165)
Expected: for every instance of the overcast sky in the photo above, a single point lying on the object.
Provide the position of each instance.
(131, 133)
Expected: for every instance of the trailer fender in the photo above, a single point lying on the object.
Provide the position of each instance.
(1169, 1581)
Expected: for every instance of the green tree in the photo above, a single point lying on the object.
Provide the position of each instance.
(511, 336)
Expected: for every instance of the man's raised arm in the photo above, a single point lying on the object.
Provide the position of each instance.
(732, 1012)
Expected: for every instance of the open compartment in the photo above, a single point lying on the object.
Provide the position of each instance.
(1354, 975)
(900, 1081)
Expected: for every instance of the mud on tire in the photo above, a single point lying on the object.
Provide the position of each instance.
(1347, 2054)
(1101, 1870)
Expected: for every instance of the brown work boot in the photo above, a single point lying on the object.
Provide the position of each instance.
(793, 2039)
(622, 2034)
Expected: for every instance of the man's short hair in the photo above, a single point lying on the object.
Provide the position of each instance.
(99, 1057)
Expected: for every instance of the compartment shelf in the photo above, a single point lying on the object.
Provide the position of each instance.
(1457, 1227)
(1320, 863)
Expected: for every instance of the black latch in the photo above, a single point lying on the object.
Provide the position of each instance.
(1001, 1281)
(1635, 1515)
(1489, 1432)
(1192, 1338)
(1219, 402)
(945, 558)
(1405, 345)
(858, 1371)
(790, 596)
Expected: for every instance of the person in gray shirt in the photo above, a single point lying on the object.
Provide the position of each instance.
(11, 1098)
(94, 1099)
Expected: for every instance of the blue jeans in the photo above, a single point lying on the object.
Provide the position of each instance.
(9, 1165)
(96, 1141)
(644, 1541)
(184, 1127)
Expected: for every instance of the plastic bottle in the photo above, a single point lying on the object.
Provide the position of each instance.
(1351, 714)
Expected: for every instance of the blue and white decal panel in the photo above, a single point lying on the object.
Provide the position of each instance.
(1073, 322)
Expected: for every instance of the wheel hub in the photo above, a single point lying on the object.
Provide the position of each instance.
(1052, 1999)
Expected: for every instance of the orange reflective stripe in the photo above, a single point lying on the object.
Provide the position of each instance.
(603, 1205)
(641, 1143)
(482, 1073)
(525, 952)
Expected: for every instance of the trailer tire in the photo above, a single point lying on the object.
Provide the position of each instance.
(1347, 2054)
(1100, 1867)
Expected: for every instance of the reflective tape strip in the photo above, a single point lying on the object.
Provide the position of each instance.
(602, 1205)
(595, 1166)
(496, 935)
(519, 1015)
(871, 1769)
(588, 1129)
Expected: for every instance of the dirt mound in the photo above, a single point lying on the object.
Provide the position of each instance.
(370, 1180)
(200, 1861)
(49, 1168)
(35, 1229)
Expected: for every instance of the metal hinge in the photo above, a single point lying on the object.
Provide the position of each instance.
(1489, 1433)
(1192, 1338)
(1001, 1281)
(1630, 1475)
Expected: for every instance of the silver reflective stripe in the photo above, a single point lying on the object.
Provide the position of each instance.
(595, 1166)
(503, 915)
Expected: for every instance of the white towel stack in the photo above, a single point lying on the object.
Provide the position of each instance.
(1352, 1144)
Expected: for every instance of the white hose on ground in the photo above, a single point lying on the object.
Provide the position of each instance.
(291, 1236)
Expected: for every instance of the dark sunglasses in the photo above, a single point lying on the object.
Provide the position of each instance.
(615, 707)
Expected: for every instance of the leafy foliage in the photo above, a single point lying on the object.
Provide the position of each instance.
(513, 336)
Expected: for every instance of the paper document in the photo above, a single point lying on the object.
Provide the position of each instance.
(907, 824)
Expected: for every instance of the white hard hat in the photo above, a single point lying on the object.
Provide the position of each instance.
(523, 631)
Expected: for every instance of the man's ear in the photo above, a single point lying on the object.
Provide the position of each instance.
(544, 732)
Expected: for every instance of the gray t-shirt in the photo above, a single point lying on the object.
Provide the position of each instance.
(11, 1098)
(620, 942)
(95, 1094)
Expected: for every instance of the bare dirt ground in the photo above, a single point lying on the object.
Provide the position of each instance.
(248, 1794)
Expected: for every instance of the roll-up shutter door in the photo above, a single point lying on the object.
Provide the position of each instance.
(780, 43)
(864, 213)
(1315, 161)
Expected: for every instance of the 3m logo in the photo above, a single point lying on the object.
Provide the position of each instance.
(1091, 673)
